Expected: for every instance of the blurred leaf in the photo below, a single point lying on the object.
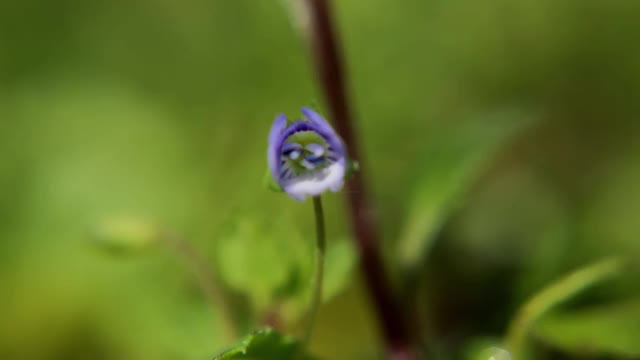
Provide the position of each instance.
(270, 183)
(256, 259)
(263, 344)
(535, 239)
(483, 348)
(272, 262)
(353, 166)
(553, 295)
(613, 329)
(339, 262)
(124, 235)
(493, 353)
(452, 163)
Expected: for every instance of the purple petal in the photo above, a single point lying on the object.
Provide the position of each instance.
(336, 186)
(289, 146)
(324, 129)
(317, 119)
(318, 180)
(316, 149)
(279, 123)
(315, 159)
(307, 164)
(275, 141)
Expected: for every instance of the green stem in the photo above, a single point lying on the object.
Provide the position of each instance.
(316, 296)
(553, 295)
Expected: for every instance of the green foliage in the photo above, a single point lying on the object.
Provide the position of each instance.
(272, 263)
(271, 183)
(492, 353)
(353, 166)
(340, 261)
(604, 329)
(124, 235)
(163, 109)
(264, 344)
(451, 163)
(555, 294)
(258, 259)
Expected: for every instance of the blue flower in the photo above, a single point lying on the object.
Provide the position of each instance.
(306, 157)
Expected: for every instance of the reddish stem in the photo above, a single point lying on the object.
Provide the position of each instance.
(330, 71)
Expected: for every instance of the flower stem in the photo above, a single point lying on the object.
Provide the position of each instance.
(332, 77)
(316, 296)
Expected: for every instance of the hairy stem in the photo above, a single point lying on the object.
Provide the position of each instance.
(316, 296)
(330, 72)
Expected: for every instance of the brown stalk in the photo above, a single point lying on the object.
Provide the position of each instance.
(331, 75)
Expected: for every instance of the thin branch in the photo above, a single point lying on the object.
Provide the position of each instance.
(330, 72)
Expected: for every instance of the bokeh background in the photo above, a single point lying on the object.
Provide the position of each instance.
(501, 141)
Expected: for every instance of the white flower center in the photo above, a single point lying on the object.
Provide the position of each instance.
(314, 183)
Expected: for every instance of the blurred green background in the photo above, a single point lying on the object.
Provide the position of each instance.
(501, 142)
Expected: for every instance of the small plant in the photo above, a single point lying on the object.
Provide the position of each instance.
(307, 158)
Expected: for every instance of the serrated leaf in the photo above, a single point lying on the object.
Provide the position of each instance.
(453, 160)
(612, 329)
(264, 344)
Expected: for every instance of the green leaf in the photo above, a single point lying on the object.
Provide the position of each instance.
(492, 353)
(263, 344)
(340, 260)
(269, 260)
(270, 183)
(612, 329)
(485, 348)
(339, 263)
(257, 257)
(353, 166)
(124, 235)
(553, 295)
(453, 160)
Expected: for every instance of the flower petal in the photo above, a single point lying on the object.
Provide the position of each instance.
(279, 123)
(317, 119)
(273, 151)
(331, 177)
(316, 149)
(324, 129)
(337, 186)
(306, 167)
